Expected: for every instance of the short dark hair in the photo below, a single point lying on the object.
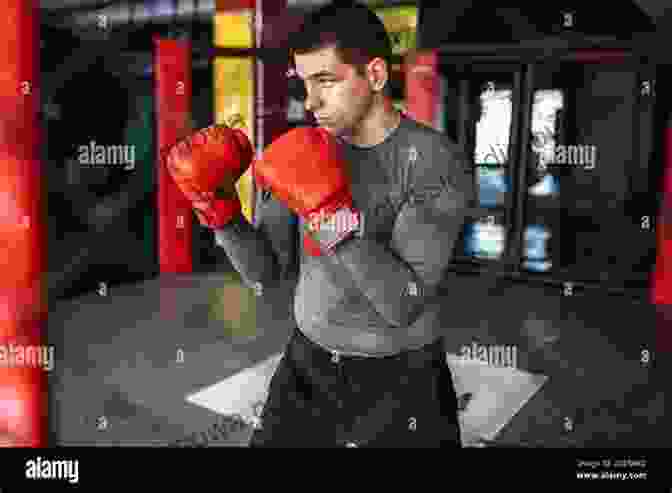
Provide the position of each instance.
(355, 31)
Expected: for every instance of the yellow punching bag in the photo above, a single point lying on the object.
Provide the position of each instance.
(234, 85)
(233, 304)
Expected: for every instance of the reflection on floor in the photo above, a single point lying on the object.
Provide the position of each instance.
(155, 362)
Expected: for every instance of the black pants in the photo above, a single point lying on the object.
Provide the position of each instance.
(317, 400)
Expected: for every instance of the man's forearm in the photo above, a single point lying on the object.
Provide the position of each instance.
(250, 252)
(392, 287)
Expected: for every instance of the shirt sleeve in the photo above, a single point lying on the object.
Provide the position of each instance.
(402, 278)
(263, 253)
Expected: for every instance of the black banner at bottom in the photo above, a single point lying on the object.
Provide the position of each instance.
(63, 469)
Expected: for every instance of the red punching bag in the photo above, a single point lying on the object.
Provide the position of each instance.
(662, 278)
(22, 308)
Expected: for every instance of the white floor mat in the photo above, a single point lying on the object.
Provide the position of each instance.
(498, 393)
(240, 394)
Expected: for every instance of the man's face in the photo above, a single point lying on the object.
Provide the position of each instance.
(336, 94)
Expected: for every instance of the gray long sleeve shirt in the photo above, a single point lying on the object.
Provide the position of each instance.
(377, 294)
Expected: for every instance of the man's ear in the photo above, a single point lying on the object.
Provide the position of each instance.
(378, 74)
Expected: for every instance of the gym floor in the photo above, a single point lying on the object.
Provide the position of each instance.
(126, 361)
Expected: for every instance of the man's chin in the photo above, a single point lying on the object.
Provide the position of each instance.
(329, 128)
(333, 130)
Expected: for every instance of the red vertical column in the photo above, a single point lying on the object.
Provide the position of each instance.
(423, 87)
(173, 120)
(23, 388)
(662, 277)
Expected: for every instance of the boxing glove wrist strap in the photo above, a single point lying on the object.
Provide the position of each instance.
(332, 230)
(216, 214)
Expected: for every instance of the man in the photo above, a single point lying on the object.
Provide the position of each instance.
(380, 200)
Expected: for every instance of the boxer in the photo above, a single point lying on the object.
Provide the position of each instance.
(377, 201)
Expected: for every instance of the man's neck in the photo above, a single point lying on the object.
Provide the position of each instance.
(376, 128)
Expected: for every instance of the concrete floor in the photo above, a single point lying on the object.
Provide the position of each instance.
(126, 361)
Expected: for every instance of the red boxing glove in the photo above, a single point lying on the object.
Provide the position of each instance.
(305, 170)
(206, 166)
